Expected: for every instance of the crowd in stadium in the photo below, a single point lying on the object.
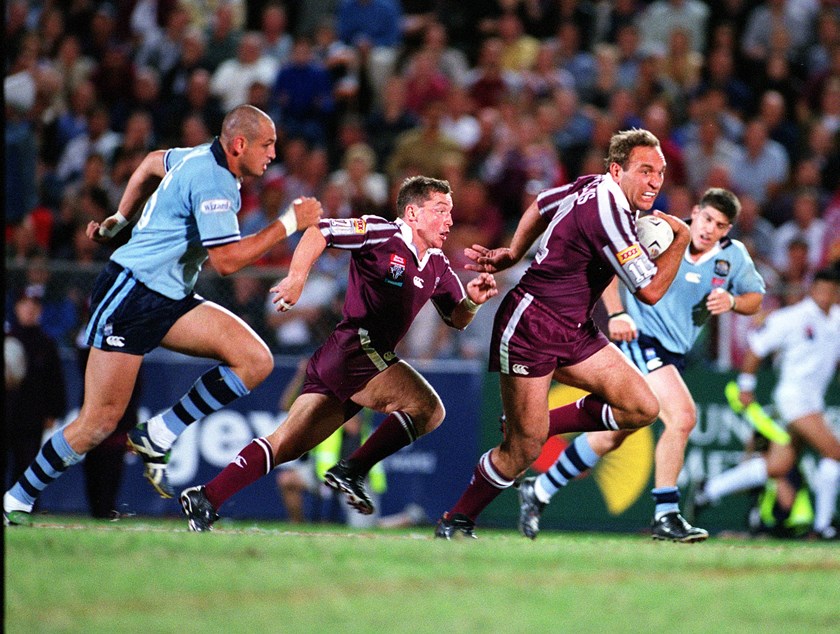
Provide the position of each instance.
(501, 98)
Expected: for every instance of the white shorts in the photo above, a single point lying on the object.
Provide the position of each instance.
(792, 404)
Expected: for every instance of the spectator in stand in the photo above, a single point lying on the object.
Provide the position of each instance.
(682, 64)
(817, 57)
(451, 61)
(223, 36)
(575, 59)
(197, 99)
(114, 80)
(657, 119)
(389, 120)
(271, 200)
(421, 150)
(488, 83)
(424, 82)
(163, 51)
(373, 28)
(99, 139)
(458, 121)
(719, 72)
(233, 76)
(301, 95)
(708, 149)
(342, 63)
(754, 230)
(519, 50)
(781, 128)
(662, 17)
(273, 26)
(191, 57)
(574, 130)
(544, 76)
(477, 220)
(194, 130)
(805, 225)
(39, 399)
(614, 15)
(69, 124)
(73, 66)
(366, 189)
(761, 167)
(768, 20)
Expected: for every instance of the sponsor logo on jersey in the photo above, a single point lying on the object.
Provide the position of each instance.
(722, 267)
(215, 206)
(718, 281)
(418, 281)
(518, 368)
(396, 270)
(115, 341)
(630, 253)
(389, 356)
(692, 277)
(347, 226)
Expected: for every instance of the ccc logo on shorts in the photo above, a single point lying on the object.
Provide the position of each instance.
(115, 341)
(518, 368)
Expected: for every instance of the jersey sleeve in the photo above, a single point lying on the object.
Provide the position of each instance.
(215, 202)
(354, 234)
(449, 292)
(771, 336)
(615, 230)
(747, 279)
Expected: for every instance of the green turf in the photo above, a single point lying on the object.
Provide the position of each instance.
(144, 575)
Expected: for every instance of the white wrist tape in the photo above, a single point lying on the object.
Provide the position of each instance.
(747, 382)
(471, 306)
(121, 221)
(288, 218)
(622, 316)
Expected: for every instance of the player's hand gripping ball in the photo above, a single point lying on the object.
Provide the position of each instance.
(655, 235)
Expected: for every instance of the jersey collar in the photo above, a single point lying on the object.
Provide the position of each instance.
(219, 153)
(407, 236)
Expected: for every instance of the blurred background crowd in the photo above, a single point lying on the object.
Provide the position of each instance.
(503, 98)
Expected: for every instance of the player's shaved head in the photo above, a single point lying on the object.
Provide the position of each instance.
(246, 121)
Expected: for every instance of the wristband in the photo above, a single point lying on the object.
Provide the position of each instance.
(288, 218)
(747, 382)
(731, 302)
(617, 314)
(470, 305)
(121, 221)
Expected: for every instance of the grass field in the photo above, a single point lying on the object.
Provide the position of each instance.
(70, 574)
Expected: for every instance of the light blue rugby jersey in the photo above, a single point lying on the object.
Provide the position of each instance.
(677, 318)
(193, 208)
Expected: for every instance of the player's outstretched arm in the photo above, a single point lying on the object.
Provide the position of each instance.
(668, 263)
(479, 290)
(141, 185)
(288, 291)
(531, 225)
(229, 258)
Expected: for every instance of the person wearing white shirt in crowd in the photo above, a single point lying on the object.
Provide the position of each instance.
(806, 340)
(805, 225)
(233, 77)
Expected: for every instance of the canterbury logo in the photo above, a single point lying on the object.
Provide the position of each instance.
(240, 462)
(115, 341)
(418, 281)
(518, 368)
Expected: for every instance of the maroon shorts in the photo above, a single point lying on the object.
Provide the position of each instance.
(344, 364)
(531, 340)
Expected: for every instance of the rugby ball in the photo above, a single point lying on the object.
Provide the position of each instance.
(655, 235)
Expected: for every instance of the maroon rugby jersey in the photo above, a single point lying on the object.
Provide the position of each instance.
(387, 284)
(591, 236)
